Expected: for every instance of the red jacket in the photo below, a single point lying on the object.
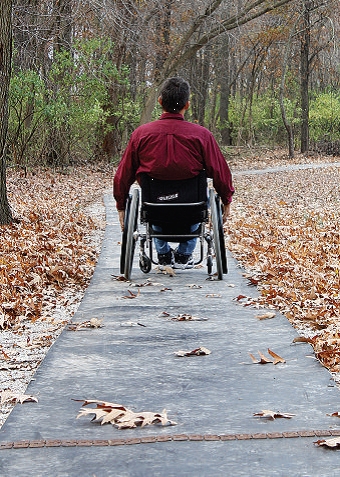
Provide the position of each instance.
(172, 149)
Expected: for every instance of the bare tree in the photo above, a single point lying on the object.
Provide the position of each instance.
(305, 72)
(186, 48)
(5, 73)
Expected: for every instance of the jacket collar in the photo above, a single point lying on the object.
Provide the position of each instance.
(172, 116)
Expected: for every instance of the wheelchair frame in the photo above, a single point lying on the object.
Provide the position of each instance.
(210, 231)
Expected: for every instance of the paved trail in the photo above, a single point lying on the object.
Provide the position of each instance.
(212, 398)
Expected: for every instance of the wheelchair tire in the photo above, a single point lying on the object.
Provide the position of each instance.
(124, 235)
(209, 264)
(218, 234)
(130, 233)
(145, 264)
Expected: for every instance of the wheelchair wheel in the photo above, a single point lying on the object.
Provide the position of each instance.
(124, 234)
(217, 225)
(209, 264)
(129, 231)
(145, 263)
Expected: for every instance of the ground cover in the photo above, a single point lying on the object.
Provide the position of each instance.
(47, 257)
(284, 229)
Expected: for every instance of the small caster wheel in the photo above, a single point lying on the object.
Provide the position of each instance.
(145, 264)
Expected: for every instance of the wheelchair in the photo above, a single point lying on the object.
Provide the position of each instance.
(174, 206)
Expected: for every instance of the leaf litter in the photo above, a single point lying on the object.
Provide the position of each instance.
(285, 231)
(47, 258)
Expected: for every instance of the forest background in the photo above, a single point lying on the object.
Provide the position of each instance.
(86, 73)
(82, 75)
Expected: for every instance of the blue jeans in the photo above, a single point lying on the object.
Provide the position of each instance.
(186, 248)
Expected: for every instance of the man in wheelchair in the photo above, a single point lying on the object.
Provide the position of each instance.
(170, 151)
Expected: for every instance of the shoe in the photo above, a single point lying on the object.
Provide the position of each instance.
(166, 259)
(183, 261)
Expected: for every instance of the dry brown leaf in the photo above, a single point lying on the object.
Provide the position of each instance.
(263, 360)
(5, 355)
(202, 351)
(266, 316)
(132, 295)
(334, 414)
(335, 442)
(167, 270)
(121, 417)
(240, 297)
(277, 358)
(267, 414)
(92, 323)
(187, 317)
(302, 339)
(213, 295)
(13, 397)
(119, 278)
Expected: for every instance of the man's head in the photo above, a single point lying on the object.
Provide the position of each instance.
(174, 95)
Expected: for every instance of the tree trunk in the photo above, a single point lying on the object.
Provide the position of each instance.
(225, 92)
(5, 74)
(305, 67)
(286, 123)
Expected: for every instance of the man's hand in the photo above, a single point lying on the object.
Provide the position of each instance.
(226, 212)
(121, 215)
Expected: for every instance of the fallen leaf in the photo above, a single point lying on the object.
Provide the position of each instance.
(213, 295)
(263, 360)
(5, 355)
(335, 442)
(240, 297)
(95, 323)
(277, 358)
(187, 317)
(266, 316)
(193, 285)
(196, 352)
(267, 414)
(131, 323)
(167, 270)
(12, 397)
(132, 295)
(121, 417)
(92, 323)
(119, 278)
(302, 339)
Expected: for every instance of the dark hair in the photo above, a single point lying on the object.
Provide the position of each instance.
(175, 94)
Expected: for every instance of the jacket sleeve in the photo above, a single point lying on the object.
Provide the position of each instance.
(125, 175)
(218, 169)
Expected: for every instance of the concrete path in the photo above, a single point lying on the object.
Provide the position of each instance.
(212, 398)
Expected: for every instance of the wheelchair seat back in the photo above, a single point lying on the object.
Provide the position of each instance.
(174, 204)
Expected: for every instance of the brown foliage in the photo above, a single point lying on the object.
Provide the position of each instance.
(45, 251)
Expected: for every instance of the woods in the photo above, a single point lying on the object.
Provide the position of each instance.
(85, 74)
